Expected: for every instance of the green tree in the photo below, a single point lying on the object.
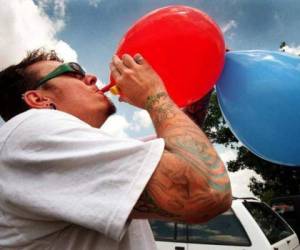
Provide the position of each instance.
(278, 180)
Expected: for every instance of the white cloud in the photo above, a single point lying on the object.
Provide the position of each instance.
(58, 8)
(225, 153)
(140, 120)
(116, 126)
(25, 26)
(65, 51)
(240, 182)
(294, 50)
(95, 3)
(100, 85)
(228, 26)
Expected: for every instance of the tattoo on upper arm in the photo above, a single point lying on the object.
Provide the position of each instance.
(199, 153)
(187, 144)
(146, 204)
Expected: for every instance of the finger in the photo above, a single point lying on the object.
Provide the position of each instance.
(114, 71)
(122, 98)
(128, 61)
(138, 58)
(117, 62)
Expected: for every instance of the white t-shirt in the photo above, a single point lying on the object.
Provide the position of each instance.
(65, 185)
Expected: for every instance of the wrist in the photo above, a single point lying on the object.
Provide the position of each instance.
(161, 109)
(153, 100)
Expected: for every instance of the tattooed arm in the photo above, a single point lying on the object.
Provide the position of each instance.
(190, 183)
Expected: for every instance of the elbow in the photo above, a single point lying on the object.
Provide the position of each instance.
(215, 204)
(225, 202)
(221, 202)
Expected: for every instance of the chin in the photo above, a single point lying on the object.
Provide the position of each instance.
(111, 109)
(104, 114)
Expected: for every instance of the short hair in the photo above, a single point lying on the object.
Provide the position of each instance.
(15, 81)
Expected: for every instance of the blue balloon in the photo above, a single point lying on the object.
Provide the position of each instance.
(259, 95)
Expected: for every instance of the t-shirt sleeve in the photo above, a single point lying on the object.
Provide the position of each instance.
(59, 168)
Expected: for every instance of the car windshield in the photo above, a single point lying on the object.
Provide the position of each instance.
(289, 208)
(274, 228)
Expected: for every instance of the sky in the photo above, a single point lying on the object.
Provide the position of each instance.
(88, 31)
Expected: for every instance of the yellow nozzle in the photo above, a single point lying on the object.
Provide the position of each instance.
(114, 90)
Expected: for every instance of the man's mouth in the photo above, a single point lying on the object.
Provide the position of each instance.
(98, 91)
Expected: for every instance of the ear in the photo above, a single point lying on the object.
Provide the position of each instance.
(35, 99)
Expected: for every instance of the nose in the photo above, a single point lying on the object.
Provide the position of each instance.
(90, 79)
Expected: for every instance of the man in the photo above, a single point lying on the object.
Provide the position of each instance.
(64, 184)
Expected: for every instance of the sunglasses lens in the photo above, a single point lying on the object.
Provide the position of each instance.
(76, 67)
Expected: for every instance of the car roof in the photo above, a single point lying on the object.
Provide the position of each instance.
(246, 198)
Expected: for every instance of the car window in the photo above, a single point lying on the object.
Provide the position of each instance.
(285, 209)
(163, 230)
(169, 231)
(274, 228)
(181, 232)
(225, 229)
(289, 208)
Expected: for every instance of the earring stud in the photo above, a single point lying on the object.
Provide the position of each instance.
(52, 105)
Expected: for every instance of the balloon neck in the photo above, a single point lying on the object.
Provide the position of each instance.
(112, 88)
(107, 87)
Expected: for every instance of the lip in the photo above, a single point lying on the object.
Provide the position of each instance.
(98, 91)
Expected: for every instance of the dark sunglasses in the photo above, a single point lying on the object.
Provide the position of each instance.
(70, 67)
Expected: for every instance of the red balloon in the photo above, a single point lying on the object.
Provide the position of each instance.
(185, 47)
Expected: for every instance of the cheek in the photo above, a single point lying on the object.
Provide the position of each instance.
(72, 94)
(69, 101)
(77, 96)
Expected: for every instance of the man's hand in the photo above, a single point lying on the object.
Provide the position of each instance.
(136, 79)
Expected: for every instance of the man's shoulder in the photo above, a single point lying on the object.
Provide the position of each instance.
(37, 115)
(38, 120)
(49, 114)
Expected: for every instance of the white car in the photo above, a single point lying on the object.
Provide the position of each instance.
(249, 224)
